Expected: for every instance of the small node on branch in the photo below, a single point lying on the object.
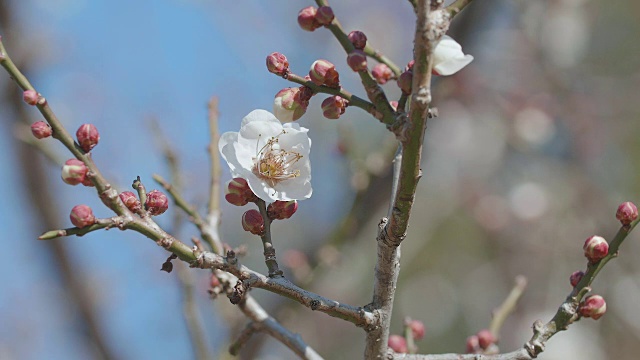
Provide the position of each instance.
(238, 293)
(168, 265)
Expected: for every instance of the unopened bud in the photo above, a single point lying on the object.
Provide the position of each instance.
(323, 72)
(289, 105)
(473, 344)
(280, 210)
(394, 105)
(277, 63)
(595, 248)
(575, 278)
(417, 329)
(627, 213)
(409, 65)
(238, 192)
(404, 81)
(357, 60)
(30, 97)
(382, 73)
(131, 201)
(324, 15)
(252, 222)
(593, 306)
(156, 203)
(307, 19)
(333, 107)
(81, 216)
(214, 281)
(87, 181)
(74, 171)
(41, 130)
(397, 343)
(358, 39)
(485, 338)
(88, 136)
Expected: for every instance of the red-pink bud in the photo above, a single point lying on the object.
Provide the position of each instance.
(593, 306)
(238, 192)
(41, 130)
(485, 338)
(157, 202)
(280, 210)
(214, 281)
(333, 107)
(627, 213)
(323, 72)
(307, 19)
(88, 136)
(87, 181)
(382, 73)
(277, 63)
(358, 39)
(30, 97)
(131, 201)
(409, 65)
(324, 15)
(595, 248)
(81, 216)
(252, 222)
(575, 278)
(417, 329)
(404, 81)
(357, 60)
(289, 104)
(473, 344)
(394, 105)
(74, 171)
(397, 343)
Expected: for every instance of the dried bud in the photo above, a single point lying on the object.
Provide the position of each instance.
(30, 97)
(593, 306)
(41, 130)
(74, 171)
(404, 81)
(239, 193)
(357, 60)
(417, 329)
(473, 344)
(382, 73)
(252, 222)
(575, 278)
(307, 19)
(397, 343)
(280, 210)
(87, 136)
(289, 104)
(595, 248)
(157, 202)
(81, 216)
(323, 72)
(277, 63)
(627, 213)
(324, 15)
(131, 201)
(358, 39)
(333, 107)
(485, 338)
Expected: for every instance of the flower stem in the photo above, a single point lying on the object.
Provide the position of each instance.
(269, 250)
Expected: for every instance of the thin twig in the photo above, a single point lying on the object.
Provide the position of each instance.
(375, 54)
(456, 7)
(501, 313)
(107, 223)
(213, 211)
(267, 243)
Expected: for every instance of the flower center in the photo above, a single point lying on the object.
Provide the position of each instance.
(274, 164)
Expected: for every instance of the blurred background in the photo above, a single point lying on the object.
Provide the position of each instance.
(535, 146)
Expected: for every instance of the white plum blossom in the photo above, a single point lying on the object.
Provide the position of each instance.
(272, 157)
(448, 57)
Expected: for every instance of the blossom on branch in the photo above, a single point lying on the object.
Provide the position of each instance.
(448, 57)
(272, 157)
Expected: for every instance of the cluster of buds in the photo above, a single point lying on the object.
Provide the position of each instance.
(323, 72)
(382, 73)
(595, 248)
(280, 210)
(253, 222)
(41, 130)
(88, 136)
(627, 213)
(278, 64)
(398, 344)
(593, 306)
(81, 216)
(311, 18)
(480, 342)
(334, 106)
(156, 203)
(291, 103)
(239, 193)
(131, 201)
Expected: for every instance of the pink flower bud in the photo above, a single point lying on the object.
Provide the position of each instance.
(74, 171)
(575, 278)
(157, 202)
(280, 210)
(485, 338)
(81, 216)
(239, 193)
(289, 105)
(473, 344)
(593, 306)
(30, 97)
(404, 81)
(324, 15)
(278, 64)
(394, 105)
(333, 107)
(397, 343)
(417, 329)
(87, 136)
(307, 19)
(358, 39)
(41, 130)
(409, 65)
(323, 72)
(214, 281)
(382, 73)
(357, 60)
(627, 213)
(252, 222)
(595, 248)
(87, 181)
(131, 201)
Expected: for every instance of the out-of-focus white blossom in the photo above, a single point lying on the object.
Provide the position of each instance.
(448, 57)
